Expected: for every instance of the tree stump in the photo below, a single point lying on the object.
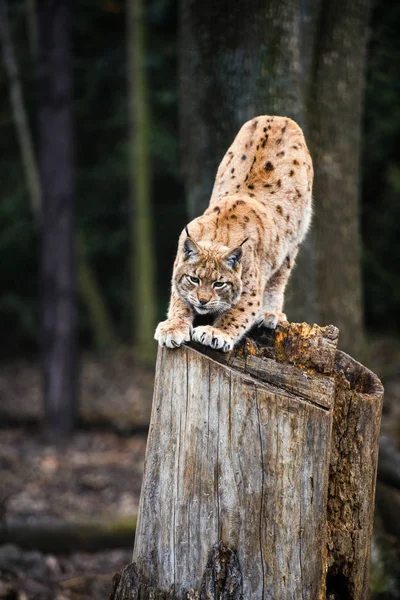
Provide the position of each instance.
(260, 473)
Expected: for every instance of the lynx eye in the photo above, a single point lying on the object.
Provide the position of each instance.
(194, 280)
(219, 285)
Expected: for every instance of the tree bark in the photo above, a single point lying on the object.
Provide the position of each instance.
(232, 69)
(243, 451)
(57, 217)
(352, 477)
(142, 248)
(334, 114)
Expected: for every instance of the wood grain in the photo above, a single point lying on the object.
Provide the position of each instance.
(236, 460)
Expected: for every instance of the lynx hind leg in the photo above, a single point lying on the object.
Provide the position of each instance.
(274, 293)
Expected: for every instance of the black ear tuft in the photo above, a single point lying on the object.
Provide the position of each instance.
(233, 257)
(190, 248)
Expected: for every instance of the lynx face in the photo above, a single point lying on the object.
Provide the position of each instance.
(208, 277)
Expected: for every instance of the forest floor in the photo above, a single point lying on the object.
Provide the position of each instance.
(50, 494)
(78, 495)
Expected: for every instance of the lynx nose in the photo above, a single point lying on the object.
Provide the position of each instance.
(203, 301)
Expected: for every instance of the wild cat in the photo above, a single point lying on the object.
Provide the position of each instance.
(234, 261)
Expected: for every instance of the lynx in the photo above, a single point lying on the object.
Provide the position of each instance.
(234, 261)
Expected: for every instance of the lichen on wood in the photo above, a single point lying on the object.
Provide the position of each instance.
(308, 346)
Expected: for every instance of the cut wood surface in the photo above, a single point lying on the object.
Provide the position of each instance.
(252, 488)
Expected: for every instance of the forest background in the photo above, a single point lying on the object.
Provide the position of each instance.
(151, 107)
(102, 147)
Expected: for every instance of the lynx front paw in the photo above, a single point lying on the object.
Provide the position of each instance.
(213, 337)
(172, 333)
(271, 319)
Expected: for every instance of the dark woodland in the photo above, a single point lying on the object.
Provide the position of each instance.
(114, 117)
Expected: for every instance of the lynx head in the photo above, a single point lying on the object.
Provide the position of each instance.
(208, 276)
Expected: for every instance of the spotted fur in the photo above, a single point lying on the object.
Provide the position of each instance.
(262, 193)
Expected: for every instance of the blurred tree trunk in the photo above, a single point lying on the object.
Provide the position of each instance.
(285, 58)
(236, 63)
(142, 246)
(335, 112)
(222, 85)
(100, 319)
(290, 29)
(57, 217)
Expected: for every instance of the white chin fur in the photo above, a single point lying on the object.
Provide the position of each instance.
(202, 311)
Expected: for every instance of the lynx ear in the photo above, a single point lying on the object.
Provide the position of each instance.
(190, 248)
(233, 257)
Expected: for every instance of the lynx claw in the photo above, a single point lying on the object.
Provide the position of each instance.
(214, 343)
(213, 337)
(172, 333)
(271, 319)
